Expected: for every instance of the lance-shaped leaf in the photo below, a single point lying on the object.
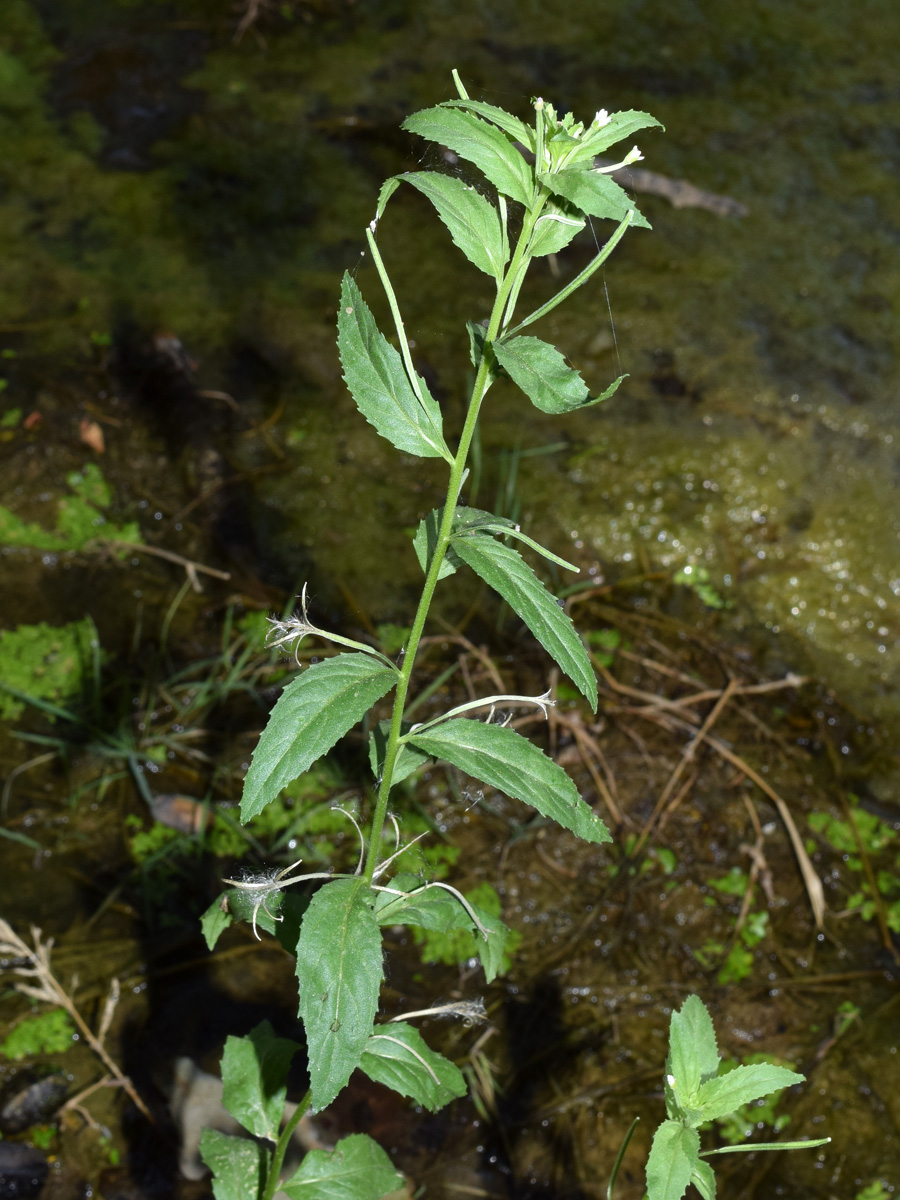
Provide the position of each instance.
(254, 1079)
(215, 921)
(356, 1169)
(236, 1164)
(507, 573)
(476, 141)
(312, 712)
(545, 377)
(408, 757)
(425, 541)
(557, 225)
(377, 379)
(397, 1056)
(594, 194)
(473, 222)
(720, 1096)
(432, 908)
(621, 125)
(437, 908)
(693, 1055)
(340, 971)
(509, 762)
(673, 1158)
(477, 520)
(704, 1180)
(516, 129)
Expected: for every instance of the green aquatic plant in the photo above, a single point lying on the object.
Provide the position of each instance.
(869, 849)
(541, 187)
(698, 1091)
(50, 1032)
(45, 662)
(80, 521)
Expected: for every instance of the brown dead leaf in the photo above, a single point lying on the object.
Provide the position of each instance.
(92, 435)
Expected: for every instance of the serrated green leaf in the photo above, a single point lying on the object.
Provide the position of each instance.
(356, 1169)
(693, 1052)
(492, 948)
(280, 916)
(545, 377)
(425, 541)
(397, 1056)
(594, 194)
(340, 970)
(236, 1164)
(312, 712)
(504, 569)
(720, 1096)
(509, 762)
(388, 188)
(478, 520)
(408, 758)
(254, 1077)
(621, 125)
(215, 921)
(754, 1147)
(476, 141)
(704, 1180)
(673, 1158)
(477, 337)
(436, 909)
(508, 123)
(557, 225)
(473, 222)
(377, 379)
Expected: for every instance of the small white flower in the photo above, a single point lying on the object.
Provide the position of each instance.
(634, 155)
(601, 118)
(670, 1080)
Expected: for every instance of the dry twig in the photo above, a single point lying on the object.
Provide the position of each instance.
(35, 964)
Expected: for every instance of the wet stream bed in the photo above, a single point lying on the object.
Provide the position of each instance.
(181, 191)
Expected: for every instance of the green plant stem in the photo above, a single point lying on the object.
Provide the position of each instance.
(483, 381)
(281, 1147)
(580, 279)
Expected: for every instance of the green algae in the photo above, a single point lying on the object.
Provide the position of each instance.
(241, 217)
(45, 662)
(79, 522)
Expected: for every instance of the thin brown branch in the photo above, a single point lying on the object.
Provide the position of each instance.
(48, 989)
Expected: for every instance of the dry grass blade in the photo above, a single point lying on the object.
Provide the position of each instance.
(811, 880)
(686, 758)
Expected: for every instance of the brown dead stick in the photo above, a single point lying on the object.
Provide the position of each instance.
(811, 880)
(813, 883)
(679, 192)
(686, 758)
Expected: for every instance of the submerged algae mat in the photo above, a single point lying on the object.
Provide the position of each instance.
(162, 177)
(173, 197)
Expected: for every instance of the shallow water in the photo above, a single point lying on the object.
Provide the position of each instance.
(160, 180)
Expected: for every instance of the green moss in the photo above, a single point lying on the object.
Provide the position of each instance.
(45, 1033)
(46, 662)
(79, 521)
(459, 945)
